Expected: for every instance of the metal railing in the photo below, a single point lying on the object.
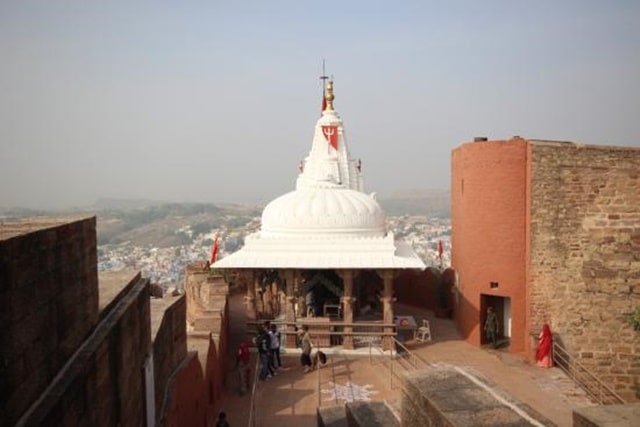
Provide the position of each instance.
(582, 377)
(330, 333)
(318, 391)
(254, 388)
(400, 360)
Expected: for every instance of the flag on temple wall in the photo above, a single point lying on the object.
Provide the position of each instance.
(440, 250)
(214, 250)
(331, 135)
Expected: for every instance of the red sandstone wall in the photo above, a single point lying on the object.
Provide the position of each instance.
(169, 348)
(488, 219)
(415, 288)
(188, 404)
(194, 393)
(48, 305)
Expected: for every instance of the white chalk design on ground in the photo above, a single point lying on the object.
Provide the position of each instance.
(349, 392)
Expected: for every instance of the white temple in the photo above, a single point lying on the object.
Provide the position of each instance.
(323, 255)
(327, 222)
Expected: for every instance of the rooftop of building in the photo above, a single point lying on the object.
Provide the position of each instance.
(552, 142)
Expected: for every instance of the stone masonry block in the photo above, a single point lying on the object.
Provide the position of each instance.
(370, 414)
(332, 416)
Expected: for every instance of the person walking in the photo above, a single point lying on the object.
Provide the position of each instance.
(242, 365)
(491, 327)
(275, 346)
(305, 342)
(263, 343)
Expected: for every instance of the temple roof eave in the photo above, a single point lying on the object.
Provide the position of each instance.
(329, 256)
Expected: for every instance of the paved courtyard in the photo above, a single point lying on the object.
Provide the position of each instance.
(291, 397)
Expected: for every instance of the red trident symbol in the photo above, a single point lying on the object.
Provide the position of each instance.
(331, 135)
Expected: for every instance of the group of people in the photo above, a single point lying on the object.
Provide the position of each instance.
(268, 342)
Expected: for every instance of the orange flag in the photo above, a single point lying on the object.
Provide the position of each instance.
(214, 250)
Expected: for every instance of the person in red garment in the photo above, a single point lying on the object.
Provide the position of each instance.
(544, 358)
(242, 365)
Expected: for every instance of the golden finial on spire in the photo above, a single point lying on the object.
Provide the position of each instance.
(328, 96)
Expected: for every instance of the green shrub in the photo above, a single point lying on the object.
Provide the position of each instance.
(634, 319)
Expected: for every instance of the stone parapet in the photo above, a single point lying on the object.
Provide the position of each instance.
(609, 415)
(108, 364)
(169, 333)
(48, 303)
(446, 397)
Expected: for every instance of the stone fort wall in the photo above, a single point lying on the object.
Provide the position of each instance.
(169, 346)
(48, 303)
(75, 347)
(585, 254)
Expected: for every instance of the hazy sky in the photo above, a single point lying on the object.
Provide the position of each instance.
(216, 100)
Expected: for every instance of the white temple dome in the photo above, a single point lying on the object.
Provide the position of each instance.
(309, 212)
(328, 221)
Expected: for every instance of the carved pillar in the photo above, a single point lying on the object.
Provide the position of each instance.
(347, 307)
(250, 298)
(257, 284)
(301, 302)
(387, 307)
(289, 310)
(268, 301)
(276, 296)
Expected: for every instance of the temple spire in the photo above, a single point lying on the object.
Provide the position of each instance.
(329, 96)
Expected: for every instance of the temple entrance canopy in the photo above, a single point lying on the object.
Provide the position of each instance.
(323, 251)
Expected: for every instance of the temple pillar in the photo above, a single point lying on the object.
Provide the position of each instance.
(289, 309)
(268, 301)
(276, 297)
(301, 303)
(250, 298)
(347, 307)
(257, 285)
(387, 307)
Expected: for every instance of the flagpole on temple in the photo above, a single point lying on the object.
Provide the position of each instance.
(323, 78)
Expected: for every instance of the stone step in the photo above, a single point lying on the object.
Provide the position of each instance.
(357, 414)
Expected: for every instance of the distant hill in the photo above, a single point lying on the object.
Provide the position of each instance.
(433, 203)
(109, 203)
(147, 222)
(158, 225)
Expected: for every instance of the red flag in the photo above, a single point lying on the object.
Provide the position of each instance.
(324, 103)
(214, 250)
(331, 135)
(440, 250)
